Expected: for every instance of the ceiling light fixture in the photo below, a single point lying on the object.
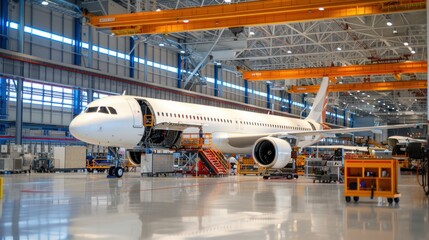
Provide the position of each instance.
(289, 51)
(405, 43)
(389, 23)
(412, 51)
(158, 9)
(339, 49)
(321, 9)
(161, 45)
(182, 51)
(395, 31)
(186, 21)
(251, 33)
(44, 3)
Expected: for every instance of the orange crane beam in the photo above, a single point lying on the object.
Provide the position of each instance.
(353, 70)
(368, 86)
(246, 14)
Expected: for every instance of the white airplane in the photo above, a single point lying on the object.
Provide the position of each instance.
(117, 121)
(394, 140)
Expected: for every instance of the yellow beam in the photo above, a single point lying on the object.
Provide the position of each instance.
(246, 14)
(353, 70)
(369, 86)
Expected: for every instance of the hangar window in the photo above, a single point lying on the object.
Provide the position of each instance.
(91, 109)
(113, 111)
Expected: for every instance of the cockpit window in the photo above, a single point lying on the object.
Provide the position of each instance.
(91, 109)
(103, 110)
(112, 110)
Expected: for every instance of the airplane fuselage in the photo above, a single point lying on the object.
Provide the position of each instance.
(126, 127)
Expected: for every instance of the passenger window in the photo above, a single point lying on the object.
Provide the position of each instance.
(91, 109)
(113, 111)
(103, 110)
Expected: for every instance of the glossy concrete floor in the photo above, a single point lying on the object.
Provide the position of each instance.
(91, 206)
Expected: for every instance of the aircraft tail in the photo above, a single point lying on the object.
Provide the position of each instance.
(318, 104)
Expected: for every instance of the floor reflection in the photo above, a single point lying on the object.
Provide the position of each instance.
(88, 206)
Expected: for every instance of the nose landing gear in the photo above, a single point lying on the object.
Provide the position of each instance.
(117, 170)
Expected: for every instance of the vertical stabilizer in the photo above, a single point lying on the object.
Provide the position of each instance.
(318, 104)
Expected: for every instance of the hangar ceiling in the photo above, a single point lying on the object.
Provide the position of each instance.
(323, 43)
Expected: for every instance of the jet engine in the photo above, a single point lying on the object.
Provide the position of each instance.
(134, 157)
(272, 152)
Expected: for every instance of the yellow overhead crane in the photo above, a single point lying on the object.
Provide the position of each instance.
(247, 14)
(352, 70)
(368, 86)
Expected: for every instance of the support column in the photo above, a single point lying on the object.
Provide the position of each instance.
(132, 61)
(21, 26)
(3, 104)
(345, 118)
(77, 101)
(145, 62)
(289, 99)
(179, 70)
(246, 91)
(268, 96)
(19, 107)
(77, 53)
(282, 101)
(90, 45)
(19, 81)
(336, 116)
(218, 80)
(4, 15)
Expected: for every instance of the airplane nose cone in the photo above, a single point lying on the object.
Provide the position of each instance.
(78, 128)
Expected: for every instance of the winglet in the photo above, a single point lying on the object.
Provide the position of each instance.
(317, 108)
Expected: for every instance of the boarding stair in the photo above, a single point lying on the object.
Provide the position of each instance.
(214, 161)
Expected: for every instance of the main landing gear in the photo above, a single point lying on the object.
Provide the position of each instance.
(117, 170)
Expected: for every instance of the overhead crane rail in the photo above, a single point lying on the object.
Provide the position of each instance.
(246, 14)
(368, 86)
(352, 70)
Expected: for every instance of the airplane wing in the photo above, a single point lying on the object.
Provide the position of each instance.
(348, 148)
(357, 129)
(244, 140)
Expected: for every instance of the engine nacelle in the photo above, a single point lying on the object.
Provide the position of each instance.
(134, 157)
(270, 152)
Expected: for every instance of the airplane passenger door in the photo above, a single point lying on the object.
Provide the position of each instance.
(137, 113)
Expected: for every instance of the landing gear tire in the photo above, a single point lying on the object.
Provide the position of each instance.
(119, 171)
(289, 176)
(356, 199)
(348, 199)
(396, 200)
(111, 171)
(390, 200)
